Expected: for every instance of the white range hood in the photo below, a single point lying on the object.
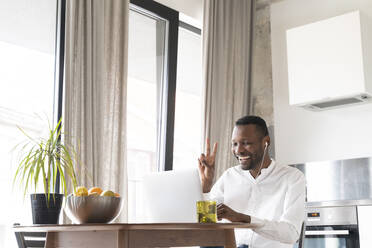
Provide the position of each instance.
(330, 62)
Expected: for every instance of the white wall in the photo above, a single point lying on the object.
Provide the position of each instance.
(29, 24)
(191, 8)
(302, 135)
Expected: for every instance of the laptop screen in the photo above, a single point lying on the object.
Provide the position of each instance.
(171, 196)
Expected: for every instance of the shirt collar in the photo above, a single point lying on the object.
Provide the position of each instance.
(264, 172)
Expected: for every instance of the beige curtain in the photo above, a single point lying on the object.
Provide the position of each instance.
(95, 91)
(226, 71)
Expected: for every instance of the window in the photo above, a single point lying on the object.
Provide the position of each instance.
(147, 51)
(155, 120)
(187, 128)
(27, 94)
(151, 81)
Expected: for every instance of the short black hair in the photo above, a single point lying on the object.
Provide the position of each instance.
(254, 120)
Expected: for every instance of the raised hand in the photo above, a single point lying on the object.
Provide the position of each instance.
(207, 166)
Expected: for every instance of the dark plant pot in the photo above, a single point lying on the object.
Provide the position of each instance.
(42, 213)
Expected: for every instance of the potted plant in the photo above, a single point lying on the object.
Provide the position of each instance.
(40, 161)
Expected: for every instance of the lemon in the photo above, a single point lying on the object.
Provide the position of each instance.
(81, 191)
(107, 193)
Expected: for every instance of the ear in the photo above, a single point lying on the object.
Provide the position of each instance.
(266, 141)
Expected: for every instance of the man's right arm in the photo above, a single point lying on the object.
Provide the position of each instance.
(207, 167)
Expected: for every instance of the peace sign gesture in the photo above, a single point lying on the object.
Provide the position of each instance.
(207, 166)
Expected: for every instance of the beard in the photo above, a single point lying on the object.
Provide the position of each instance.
(253, 163)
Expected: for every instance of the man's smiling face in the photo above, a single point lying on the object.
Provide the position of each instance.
(247, 145)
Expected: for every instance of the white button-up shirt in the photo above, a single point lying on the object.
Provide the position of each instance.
(275, 199)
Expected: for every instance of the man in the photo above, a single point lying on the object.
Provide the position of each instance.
(258, 190)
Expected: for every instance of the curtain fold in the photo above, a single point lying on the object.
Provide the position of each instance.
(227, 42)
(95, 91)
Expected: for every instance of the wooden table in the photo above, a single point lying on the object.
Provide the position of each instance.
(137, 235)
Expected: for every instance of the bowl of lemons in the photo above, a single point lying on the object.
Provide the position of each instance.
(93, 206)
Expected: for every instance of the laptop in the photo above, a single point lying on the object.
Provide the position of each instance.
(171, 196)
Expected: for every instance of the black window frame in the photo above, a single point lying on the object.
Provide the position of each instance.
(59, 67)
(172, 17)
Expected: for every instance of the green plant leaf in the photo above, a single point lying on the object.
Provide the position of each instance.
(59, 129)
(37, 173)
(62, 176)
(28, 166)
(28, 136)
(22, 165)
(68, 166)
(42, 159)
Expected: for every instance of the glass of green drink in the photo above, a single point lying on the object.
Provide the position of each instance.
(206, 211)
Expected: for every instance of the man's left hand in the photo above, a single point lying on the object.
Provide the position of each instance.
(225, 212)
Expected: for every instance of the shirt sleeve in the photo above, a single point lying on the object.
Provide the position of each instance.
(217, 191)
(288, 228)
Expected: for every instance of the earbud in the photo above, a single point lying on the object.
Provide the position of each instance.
(266, 144)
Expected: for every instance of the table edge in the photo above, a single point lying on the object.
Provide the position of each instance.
(129, 226)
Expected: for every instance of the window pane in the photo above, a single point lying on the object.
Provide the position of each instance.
(27, 41)
(187, 130)
(147, 35)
